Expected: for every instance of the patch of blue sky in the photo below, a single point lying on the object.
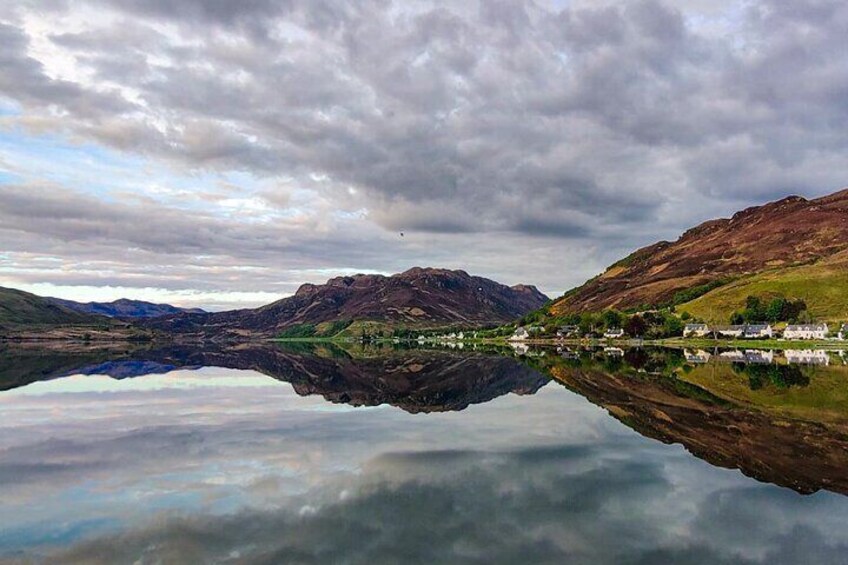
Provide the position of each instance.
(9, 107)
(8, 178)
(111, 175)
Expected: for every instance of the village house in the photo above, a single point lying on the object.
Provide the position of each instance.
(614, 333)
(758, 331)
(729, 331)
(749, 356)
(568, 331)
(696, 330)
(520, 334)
(806, 331)
(807, 357)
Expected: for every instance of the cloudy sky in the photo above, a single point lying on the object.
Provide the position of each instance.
(216, 153)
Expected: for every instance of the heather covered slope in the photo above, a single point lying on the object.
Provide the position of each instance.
(781, 235)
(419, 297)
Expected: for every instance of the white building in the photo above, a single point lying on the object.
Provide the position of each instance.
(807, 357)
(757, 331)
(568, 331)
(614, 333)
(520, 334)
(696, 330)
(730, 331)
(843, 332)
(806, 331)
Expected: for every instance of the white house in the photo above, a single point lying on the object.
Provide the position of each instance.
(757, 331)
(807, 357)
(696, 330)
(568, 331)
(520, 334)
(730, 331)
(613, 352)
(843, 332)
(614, 333)
(806, 331)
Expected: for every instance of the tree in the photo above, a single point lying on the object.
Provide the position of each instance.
(635, 325)
(611, 319)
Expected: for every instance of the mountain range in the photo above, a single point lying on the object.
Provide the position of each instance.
(124, 308)
(417, 298)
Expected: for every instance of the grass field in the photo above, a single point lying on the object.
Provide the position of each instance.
(823, 286)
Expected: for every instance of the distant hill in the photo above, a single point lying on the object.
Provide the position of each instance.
(419, 297)
(124, 308)
(793, 247)
(20, 310)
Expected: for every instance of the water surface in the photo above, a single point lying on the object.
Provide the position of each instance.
(257, 454)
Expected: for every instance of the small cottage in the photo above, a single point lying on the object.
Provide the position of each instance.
(696, 330)
(614, 333)
(730, 331)
(520, 334)
(568, 331)
(758, 331)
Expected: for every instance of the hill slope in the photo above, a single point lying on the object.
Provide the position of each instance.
(823, 286)
(124, 308)
(772, 238)
(20, 309)
(418, 297)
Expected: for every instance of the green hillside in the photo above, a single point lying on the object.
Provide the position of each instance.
(823, 286)
(20, 309)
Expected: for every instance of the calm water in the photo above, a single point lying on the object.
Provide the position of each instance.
(319, 455)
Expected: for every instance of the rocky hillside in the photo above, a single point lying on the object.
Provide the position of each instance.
(418, 297)
(778, 236)
(124, 308)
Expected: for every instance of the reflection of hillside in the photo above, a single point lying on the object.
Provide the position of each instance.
(803, 455)
(414, 380)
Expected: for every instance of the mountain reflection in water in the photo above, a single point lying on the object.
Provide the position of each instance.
(511, 464)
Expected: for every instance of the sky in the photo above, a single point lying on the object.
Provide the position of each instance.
(219, 154)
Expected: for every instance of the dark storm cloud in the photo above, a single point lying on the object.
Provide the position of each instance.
(589, 123)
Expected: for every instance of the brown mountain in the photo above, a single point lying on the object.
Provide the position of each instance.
(777, 236)
(418, 297)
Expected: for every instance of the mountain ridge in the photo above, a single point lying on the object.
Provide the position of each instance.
(124, 308)
(418, 297)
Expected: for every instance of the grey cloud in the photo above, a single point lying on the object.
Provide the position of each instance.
(584, 124)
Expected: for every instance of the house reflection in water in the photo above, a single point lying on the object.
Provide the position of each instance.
(752, 356)
(700, 356)
(807, 357)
